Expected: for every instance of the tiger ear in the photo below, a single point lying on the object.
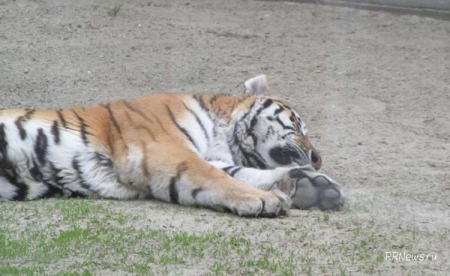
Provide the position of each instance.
(257, 86)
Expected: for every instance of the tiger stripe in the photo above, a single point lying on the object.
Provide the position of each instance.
(40, 146)
(113, 119)
(195, 192)
(173, 189)
(82, 126)
(199, 122)
(3, 142)
(56, 132)
(22, 119)
(142, 114)
(61, 118)
(180, 128)
(79, 173)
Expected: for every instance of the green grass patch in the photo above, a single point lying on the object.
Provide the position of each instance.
(82, 237)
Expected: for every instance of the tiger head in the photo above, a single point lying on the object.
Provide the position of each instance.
(269, 134)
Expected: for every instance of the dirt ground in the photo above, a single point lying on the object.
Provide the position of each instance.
(373, 87)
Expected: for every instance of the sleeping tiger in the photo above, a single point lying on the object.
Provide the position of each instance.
(246, 154)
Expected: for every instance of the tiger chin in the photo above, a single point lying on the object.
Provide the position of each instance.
(247, 154)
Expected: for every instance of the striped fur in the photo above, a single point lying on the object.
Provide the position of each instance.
(224, 152)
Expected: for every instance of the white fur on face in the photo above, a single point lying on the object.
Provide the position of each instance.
(279, 132)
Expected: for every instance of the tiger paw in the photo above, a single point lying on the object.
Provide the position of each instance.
(315, 190)
(266, 204)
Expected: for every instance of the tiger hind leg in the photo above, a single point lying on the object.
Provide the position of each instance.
(90, 175)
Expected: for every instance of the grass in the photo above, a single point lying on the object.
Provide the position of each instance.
(81, 237)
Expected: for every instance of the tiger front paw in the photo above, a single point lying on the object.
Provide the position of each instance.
(264, 204)
(310, 189)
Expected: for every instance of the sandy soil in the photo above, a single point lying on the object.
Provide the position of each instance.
(373, 87)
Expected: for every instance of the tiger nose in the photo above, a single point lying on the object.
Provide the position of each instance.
(316, 160)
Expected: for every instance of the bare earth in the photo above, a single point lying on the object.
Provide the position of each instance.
(374, 89)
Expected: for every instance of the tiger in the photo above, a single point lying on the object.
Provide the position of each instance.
(248, 154)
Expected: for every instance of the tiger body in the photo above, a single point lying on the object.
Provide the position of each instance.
(184, 149)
